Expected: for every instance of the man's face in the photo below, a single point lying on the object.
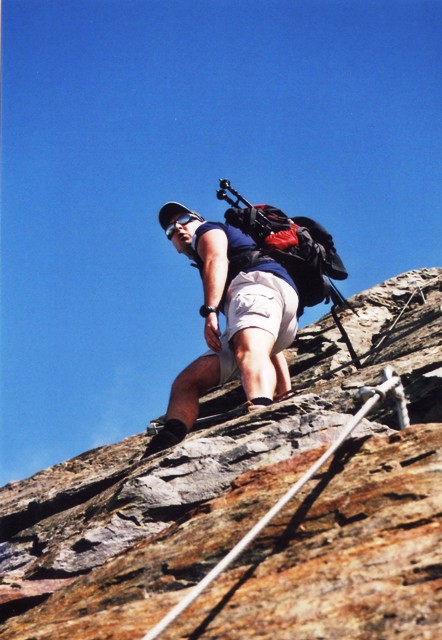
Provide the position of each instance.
(183, 234)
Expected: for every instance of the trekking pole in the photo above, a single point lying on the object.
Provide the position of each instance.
(345, 337)
(222, 194)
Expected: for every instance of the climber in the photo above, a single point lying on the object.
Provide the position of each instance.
(259, 301)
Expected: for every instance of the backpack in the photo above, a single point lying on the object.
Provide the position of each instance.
(302, 245)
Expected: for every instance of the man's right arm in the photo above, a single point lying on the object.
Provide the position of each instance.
(212, 248)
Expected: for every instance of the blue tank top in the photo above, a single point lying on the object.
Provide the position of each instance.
(239, 248)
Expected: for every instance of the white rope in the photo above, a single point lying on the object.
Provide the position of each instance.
(377, 395)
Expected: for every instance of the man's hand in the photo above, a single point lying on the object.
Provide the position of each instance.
(212, 332)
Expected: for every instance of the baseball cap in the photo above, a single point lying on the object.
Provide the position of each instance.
(170, 209)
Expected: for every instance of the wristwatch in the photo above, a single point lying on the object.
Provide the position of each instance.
(205, 310)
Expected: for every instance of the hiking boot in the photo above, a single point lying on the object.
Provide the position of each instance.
(163, 440)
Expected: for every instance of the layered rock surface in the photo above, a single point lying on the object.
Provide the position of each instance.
(103, 545)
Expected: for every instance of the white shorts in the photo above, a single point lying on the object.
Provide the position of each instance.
(257, 299)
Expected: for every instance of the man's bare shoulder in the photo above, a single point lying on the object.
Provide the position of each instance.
(212, 239)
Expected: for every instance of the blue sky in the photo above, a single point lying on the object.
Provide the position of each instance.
(326, 108)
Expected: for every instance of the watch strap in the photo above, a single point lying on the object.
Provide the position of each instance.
(206, 310)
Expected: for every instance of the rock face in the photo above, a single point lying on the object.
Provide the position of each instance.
(103, 545)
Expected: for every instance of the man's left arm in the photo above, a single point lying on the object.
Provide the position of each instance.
(212, 248)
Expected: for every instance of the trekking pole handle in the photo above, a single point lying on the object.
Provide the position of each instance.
(221, 194)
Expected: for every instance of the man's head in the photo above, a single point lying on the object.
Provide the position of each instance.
(180, 224)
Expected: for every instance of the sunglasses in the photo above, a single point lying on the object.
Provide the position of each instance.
(182, 220)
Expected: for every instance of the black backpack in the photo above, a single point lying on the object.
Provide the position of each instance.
(302, 245)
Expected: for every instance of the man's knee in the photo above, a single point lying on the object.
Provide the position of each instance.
(252, 341)
(200, 376)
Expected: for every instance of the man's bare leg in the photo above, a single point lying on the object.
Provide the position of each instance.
(252, 347)
(182, 411)
(283, 379)
(193, 382)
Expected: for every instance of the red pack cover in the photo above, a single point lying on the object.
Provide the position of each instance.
(283, 239)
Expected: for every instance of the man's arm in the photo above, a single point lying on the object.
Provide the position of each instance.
(212, 248)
